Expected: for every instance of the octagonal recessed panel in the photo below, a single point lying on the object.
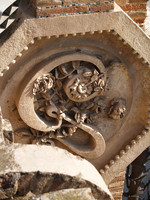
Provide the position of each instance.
(83, 93)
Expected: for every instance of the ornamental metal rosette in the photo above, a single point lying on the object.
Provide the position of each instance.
(82, 89)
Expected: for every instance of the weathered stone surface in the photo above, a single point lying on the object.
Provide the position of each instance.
(109, 42)
(78, 29)
(73, 194)
(25, 185)
(41, 169)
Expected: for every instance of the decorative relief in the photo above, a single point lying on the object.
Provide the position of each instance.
(117, 109)
(102, 112)
(67, 102)
(86, 85)
(42, 84)
(71, 88)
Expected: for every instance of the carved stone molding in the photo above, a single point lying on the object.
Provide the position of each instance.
(68, 98)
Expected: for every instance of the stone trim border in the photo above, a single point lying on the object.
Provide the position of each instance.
(145, 131)
(74, 34)
(127, 36)
(131, 147)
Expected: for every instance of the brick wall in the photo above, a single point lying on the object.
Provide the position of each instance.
(46, 8)
(116, 186)
(136, 9)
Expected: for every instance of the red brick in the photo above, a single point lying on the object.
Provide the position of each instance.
(136, 9)
(137, 1)
(62, 10)
(135, 6)
(139, 21)
(102, 7)
(116, 186)
(116, 189)
(49, 3)
(118, 179)
(137, 15)
(118, 198)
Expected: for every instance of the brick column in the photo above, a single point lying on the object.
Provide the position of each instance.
(45, 8)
